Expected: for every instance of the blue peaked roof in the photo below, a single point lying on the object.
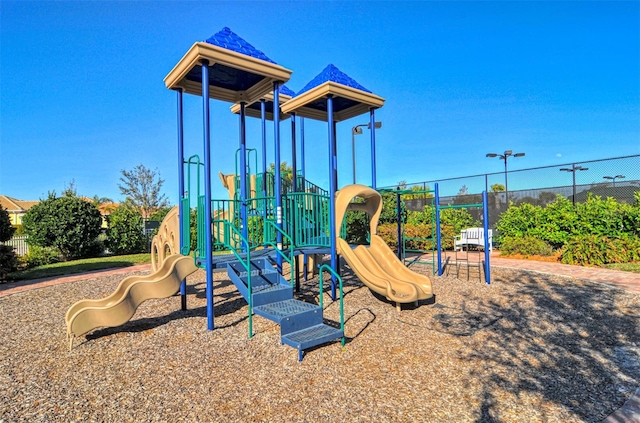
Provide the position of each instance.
(286, 91)
(333, 74)
(231, 41)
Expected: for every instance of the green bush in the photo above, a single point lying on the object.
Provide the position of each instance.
(596, 250)
(8, 259)
(125, 233)
(68, 223)
(560, 223)
(527, 246)
(40, 256)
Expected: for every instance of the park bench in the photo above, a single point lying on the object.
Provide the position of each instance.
(472, 237)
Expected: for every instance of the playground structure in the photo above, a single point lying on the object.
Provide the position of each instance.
(269, 227)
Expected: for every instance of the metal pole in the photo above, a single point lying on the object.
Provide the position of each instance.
(353, 152)
(181, 192)
(208, 236)
(399, 222)
(333, 166)
(263, 117)
(506, 180)
(304, 176)
(438, 234)
(294, 153)
(487, 254)
(373, 147)
(573, 174)
(243, 178)
(277, 182)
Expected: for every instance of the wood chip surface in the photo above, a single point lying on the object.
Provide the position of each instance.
(527, 348)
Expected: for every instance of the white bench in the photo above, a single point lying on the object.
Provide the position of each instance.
(473, 237)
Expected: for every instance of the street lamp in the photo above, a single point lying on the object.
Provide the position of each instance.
(613, 178)
(505, 156)
(573, 171)
(357, 130)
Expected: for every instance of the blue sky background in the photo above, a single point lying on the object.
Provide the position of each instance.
(82, 92)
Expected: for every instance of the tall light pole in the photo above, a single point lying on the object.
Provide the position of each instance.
(613, 178)
(573, 171)
(505, 156)
(357, 130)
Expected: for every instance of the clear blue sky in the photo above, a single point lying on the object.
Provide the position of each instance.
(82, 92)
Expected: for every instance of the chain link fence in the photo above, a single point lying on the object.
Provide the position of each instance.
(618, 178)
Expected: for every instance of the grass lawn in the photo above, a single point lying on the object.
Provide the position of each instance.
(79, 266)
(627, 267)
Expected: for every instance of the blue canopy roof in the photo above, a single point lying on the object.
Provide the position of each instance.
(286, 91)
(231, 41)
(333, 74)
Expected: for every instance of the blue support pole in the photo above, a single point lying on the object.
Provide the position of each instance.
(304, 176)
(208, 236)
(333, 183)
(372, 123)
(263, 119)
(294, 153)
(277, 177)
(399, 223)
(438, 233)
(181, 191)
(487, 254)
(243, 177)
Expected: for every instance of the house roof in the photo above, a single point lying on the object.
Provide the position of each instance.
(237, 70)
(14, 205)
(350, 99)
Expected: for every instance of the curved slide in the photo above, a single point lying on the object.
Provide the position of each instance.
(376, 265)
(119, 307)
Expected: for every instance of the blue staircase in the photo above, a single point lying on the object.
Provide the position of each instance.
(301, 324)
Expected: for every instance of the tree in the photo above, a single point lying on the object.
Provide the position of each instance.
(497, 188)
(8, 261)
(141, 187)
(67, 223)
(125, 232)
(6, 230)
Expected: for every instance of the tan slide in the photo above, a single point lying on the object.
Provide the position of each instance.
(119, 307)
(168, 270)
(376, 265)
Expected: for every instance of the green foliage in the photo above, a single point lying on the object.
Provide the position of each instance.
(457, 219)
(68, 223)
(596, 232)
(560, 221)
(527, 246)
(8, 261)
(357, 227)
(6, 230)
(498, 188)
(125, 233)
(597, 251)
(160, 214)
(390, 209)
(41, 256)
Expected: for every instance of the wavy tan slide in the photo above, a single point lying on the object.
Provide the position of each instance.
(168, 272)
(376, 265)
(119, 307)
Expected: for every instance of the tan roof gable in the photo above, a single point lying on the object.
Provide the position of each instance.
(12, 204)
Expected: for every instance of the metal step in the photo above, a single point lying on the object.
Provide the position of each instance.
(311, 336)
(291, 314)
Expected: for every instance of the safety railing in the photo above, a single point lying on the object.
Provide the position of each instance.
(306, 216)
(245, 263)
(287, 241)
(340, 287)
